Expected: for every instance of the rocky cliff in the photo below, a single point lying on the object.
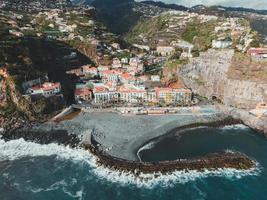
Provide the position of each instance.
(214, 75)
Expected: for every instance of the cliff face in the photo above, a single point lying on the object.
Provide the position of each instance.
(211, 75)
(244, 94)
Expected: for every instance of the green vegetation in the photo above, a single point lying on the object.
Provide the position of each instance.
(175, 63)
(147, 27)
(200, 34)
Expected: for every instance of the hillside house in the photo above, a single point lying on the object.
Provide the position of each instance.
(165, 50)
(222, 43)
(109, 75)
(87, 69)
(46, 89)
(258, 53)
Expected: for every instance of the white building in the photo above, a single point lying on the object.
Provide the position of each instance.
(221, 44)
(109, 75)
(46, 89)
(155, 78)
(165, 50)
(102, 95)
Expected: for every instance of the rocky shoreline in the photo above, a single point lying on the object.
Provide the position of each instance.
(211, 161)
(255, 123)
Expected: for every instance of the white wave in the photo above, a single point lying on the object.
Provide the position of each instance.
(147, 146)
(17, 149)
(235, 127)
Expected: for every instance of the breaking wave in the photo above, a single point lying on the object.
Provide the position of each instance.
(17, 149)
(235, 127)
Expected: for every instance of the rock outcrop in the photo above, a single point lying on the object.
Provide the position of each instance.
(212, 75)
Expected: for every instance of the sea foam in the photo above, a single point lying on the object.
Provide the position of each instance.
(17, 149)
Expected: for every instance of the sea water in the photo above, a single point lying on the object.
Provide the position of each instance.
(43, 172)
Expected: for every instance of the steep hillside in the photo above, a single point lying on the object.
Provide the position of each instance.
(118, 15)
(223, 75)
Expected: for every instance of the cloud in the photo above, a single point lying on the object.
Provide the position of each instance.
(257, 4)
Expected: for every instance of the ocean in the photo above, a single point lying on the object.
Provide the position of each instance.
(47, 172)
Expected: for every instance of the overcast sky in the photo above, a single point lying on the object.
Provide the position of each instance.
(257, 4)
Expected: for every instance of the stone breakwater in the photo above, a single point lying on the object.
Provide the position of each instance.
(209, 162)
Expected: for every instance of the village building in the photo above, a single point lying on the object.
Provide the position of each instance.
(116, 45)
(102, 68)
(124, 60)
(87, 69)
(116, 63)
(82, 94)
(185, 46)
(132, 95)
(46, 89)
(109, 75)
(165, 50)
(127, 78)
(151, 96)
(222, 43)
(77, 72)
(102, 95)
(155, 78)
(258, 53)
(169, 95)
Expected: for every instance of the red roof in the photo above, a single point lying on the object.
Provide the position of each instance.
(109, 72)
(82, 92)
(100, 89)
(46, 86)
(257, 51)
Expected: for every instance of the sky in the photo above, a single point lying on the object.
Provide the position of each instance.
(256, 4)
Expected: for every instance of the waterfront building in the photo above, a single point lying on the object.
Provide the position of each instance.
(169, 95)
(132, 95)
(102, 95)
(82, 94)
